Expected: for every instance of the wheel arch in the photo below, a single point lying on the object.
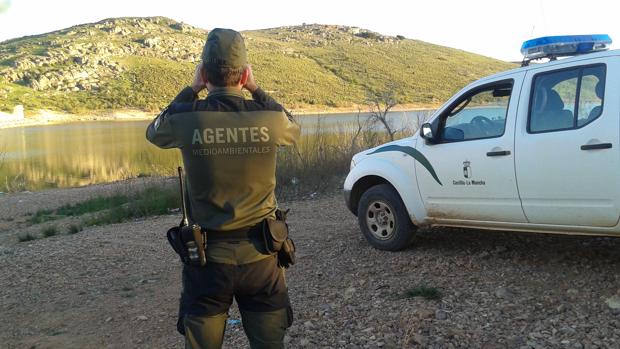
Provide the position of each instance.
(364, 184)
(370, 173)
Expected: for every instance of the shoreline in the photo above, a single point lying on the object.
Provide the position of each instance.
(48, 117)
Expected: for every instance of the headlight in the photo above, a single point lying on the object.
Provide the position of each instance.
(352, 165)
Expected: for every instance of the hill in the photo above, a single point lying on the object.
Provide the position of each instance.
(141, 63)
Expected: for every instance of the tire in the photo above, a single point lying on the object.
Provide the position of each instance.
(384, 220)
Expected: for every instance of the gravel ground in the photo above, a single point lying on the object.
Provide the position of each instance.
(117, 286)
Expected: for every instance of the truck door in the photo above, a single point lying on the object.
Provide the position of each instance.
(473, 156)
(567, 145)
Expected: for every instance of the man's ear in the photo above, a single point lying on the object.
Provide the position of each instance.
(244, 76)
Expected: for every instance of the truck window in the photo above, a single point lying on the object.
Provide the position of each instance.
(591, 95)
(478, 115)
(566, 99)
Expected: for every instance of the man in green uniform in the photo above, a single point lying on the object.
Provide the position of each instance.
(229, 147)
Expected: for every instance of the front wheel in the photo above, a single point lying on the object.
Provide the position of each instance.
(383, 218)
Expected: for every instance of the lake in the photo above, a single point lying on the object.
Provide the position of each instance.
(82, 153)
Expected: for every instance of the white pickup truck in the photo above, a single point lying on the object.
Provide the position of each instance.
(532, 149)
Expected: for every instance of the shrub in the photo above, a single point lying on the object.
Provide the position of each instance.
(321, 160)
(50, 231)
(42, 216)
(148, 202)
(26, 237)
(74, 229)
(89, 206)
(430, 293)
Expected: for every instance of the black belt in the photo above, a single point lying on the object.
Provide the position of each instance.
(245, 234)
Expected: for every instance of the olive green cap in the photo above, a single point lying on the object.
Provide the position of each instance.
(224, 47)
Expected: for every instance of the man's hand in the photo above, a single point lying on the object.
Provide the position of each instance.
(198, 84)
(250, 84)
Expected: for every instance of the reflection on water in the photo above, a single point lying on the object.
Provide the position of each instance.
(76, 154)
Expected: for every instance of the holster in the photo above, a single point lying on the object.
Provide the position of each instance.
(276, 240)
(184, 243)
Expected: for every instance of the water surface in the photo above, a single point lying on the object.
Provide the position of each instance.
(82, 153)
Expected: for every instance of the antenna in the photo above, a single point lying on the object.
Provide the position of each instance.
(542, 15)
(184, 221)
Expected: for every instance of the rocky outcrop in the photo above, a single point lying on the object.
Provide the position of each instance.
(321, 35)
(85, 56)
(70, 68)
(183, 28)
(152, 42)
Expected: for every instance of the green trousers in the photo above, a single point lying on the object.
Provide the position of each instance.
(265, 330)
(235, 270)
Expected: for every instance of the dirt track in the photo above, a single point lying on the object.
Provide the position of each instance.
(117, 286)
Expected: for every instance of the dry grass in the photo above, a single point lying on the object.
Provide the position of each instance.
(320, 161)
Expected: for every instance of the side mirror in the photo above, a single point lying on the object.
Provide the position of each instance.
(426, 132)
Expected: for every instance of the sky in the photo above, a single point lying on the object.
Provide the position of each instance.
(492, 28)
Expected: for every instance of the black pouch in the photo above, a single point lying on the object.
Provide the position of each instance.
(276, 240)
(178, 237)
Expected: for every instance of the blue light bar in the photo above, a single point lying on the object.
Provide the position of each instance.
(564, 45)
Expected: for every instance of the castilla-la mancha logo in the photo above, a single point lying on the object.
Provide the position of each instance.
(467, 169)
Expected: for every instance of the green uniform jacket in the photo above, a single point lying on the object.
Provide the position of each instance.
(229, 147)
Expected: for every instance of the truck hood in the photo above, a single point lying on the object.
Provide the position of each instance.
(357, 158)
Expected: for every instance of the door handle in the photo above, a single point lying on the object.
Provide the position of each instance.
(596, 146)
(499, 153)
